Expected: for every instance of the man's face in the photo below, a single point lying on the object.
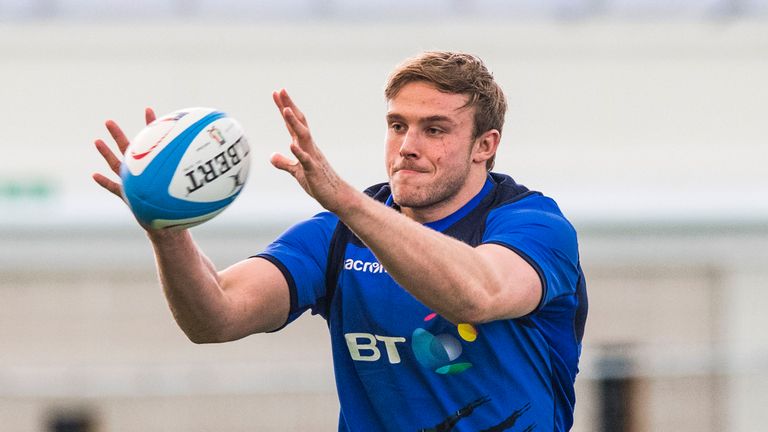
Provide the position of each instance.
(429, 146)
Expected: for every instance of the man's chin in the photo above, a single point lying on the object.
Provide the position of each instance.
(409, 199)
(410, 192)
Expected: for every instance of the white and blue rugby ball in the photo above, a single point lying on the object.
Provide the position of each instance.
(185, 168)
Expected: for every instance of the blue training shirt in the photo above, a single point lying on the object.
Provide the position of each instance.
(401, 367)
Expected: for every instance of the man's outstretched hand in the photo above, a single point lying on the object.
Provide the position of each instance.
(310, 168)
(113, 161)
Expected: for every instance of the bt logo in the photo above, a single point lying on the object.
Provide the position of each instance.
(435, 352)
(363, 347)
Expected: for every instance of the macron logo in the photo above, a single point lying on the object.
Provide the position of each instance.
(363, 266)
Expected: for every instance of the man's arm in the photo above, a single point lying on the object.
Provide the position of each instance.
(461, 283)
(249, 297)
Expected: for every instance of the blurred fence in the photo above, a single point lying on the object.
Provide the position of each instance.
(674, 339)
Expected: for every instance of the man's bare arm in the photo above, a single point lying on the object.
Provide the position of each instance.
(249, 297)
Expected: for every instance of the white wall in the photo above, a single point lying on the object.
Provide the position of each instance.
(615, 120)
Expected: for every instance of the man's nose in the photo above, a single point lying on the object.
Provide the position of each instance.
(409, 147)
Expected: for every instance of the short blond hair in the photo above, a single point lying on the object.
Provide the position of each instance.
(459, 73)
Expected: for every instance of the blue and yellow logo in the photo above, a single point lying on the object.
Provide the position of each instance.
(440, 352)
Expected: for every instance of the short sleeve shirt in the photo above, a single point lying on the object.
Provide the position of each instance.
(401, 367)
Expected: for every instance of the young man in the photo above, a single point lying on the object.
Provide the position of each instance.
(454, 296)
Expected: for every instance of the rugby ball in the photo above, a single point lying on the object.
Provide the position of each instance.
(185, 168)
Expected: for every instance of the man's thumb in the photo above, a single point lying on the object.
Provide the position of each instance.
(283, 163)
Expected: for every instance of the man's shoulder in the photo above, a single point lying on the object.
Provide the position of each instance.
(316, 229)
(516, 206)
(512, 196)
(507, 190)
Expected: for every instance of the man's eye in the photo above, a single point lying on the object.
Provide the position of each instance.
(397, 127)
(434, 131)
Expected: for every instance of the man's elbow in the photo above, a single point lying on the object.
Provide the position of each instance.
(473, 311)
(200, 338)
(488, 307)
(214, 335)
(206, 335)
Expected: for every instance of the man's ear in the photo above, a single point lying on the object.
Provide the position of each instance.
(485, 146)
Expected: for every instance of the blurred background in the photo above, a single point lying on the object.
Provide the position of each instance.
(645, 119)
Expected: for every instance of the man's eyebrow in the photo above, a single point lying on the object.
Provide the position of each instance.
(437, 119)
(431, 119)
(395, 117)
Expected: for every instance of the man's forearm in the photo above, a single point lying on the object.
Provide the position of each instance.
(190, 284)
(443, 273)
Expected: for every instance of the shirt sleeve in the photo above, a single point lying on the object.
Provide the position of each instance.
(536, 230)
(301, 254)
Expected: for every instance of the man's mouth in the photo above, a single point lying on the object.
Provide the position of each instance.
(407, 170)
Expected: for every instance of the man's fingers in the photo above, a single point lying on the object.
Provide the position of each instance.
(281, 108)
(303, 157)
(287, 102)
(297, 127)
(109, 185)
(109, 156)
(117, 135)
(278, 102)
(149, 115)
